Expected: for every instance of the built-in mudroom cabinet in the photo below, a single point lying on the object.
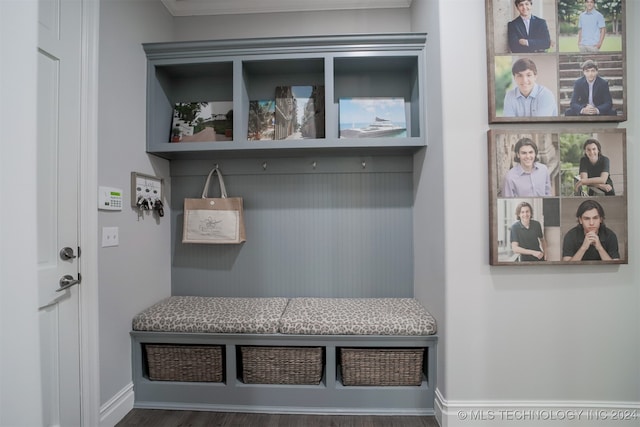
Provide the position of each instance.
(326, 216)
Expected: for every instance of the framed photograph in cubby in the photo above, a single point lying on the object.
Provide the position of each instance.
(558, 197)
(299, 112)
(375, 117)
(202, 121)
(556, 60)
(261, 120)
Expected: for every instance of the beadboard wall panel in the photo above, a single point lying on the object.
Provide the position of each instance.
(332, 228)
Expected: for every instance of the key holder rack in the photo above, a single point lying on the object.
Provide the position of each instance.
(147, 192)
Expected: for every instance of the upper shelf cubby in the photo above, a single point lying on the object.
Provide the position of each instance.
(259, 89)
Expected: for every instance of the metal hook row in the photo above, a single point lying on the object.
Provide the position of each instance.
(314, 165)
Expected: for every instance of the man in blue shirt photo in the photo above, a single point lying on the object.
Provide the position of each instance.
(528, 99)
(591, 28)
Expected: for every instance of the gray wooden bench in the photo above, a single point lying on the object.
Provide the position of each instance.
(380, 329)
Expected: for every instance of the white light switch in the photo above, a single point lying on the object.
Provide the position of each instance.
(109, 236)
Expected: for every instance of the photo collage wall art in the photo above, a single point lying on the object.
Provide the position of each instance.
(557, 196)
(544, 55)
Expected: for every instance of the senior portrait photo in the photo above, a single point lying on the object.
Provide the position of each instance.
(557, 197)
(556, 60)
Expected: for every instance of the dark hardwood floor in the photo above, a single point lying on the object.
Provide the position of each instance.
(164, 418)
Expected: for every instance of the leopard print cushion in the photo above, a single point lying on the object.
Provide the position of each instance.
(356, 316)
(212, 314)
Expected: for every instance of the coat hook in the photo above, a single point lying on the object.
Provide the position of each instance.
(264, 166)
(216, 166)
(364, 164)
(314, 164)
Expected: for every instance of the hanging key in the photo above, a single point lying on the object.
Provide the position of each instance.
(140, 202)
(158, 206)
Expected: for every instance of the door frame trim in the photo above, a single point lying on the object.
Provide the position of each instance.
(88, 216)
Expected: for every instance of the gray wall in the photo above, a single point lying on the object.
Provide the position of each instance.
(291, 24)
(136, 273)
(334, 231)
(429, 189)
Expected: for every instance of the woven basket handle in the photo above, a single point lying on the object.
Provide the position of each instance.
(223, 189)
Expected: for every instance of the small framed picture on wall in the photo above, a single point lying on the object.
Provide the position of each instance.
(556, 60)
(557, 197)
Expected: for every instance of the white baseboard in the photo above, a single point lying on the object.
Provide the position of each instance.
(535, 413)
(117, 407)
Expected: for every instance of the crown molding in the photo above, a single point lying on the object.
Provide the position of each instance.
(237, 7)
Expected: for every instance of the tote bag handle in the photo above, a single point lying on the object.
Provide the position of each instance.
(223, 189)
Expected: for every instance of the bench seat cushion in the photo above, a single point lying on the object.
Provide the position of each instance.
(212, 314)
(356, 316)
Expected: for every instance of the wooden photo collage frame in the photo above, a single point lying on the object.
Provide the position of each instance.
(558, 197)
(543, 55)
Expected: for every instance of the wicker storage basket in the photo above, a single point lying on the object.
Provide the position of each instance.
(281, 365)
(381, 366)
(184, 362)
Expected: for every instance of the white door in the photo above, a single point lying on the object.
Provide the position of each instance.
(59, 100)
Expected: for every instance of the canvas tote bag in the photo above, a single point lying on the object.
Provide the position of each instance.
(213, 220)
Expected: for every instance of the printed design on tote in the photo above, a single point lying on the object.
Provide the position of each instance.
(208, 226)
